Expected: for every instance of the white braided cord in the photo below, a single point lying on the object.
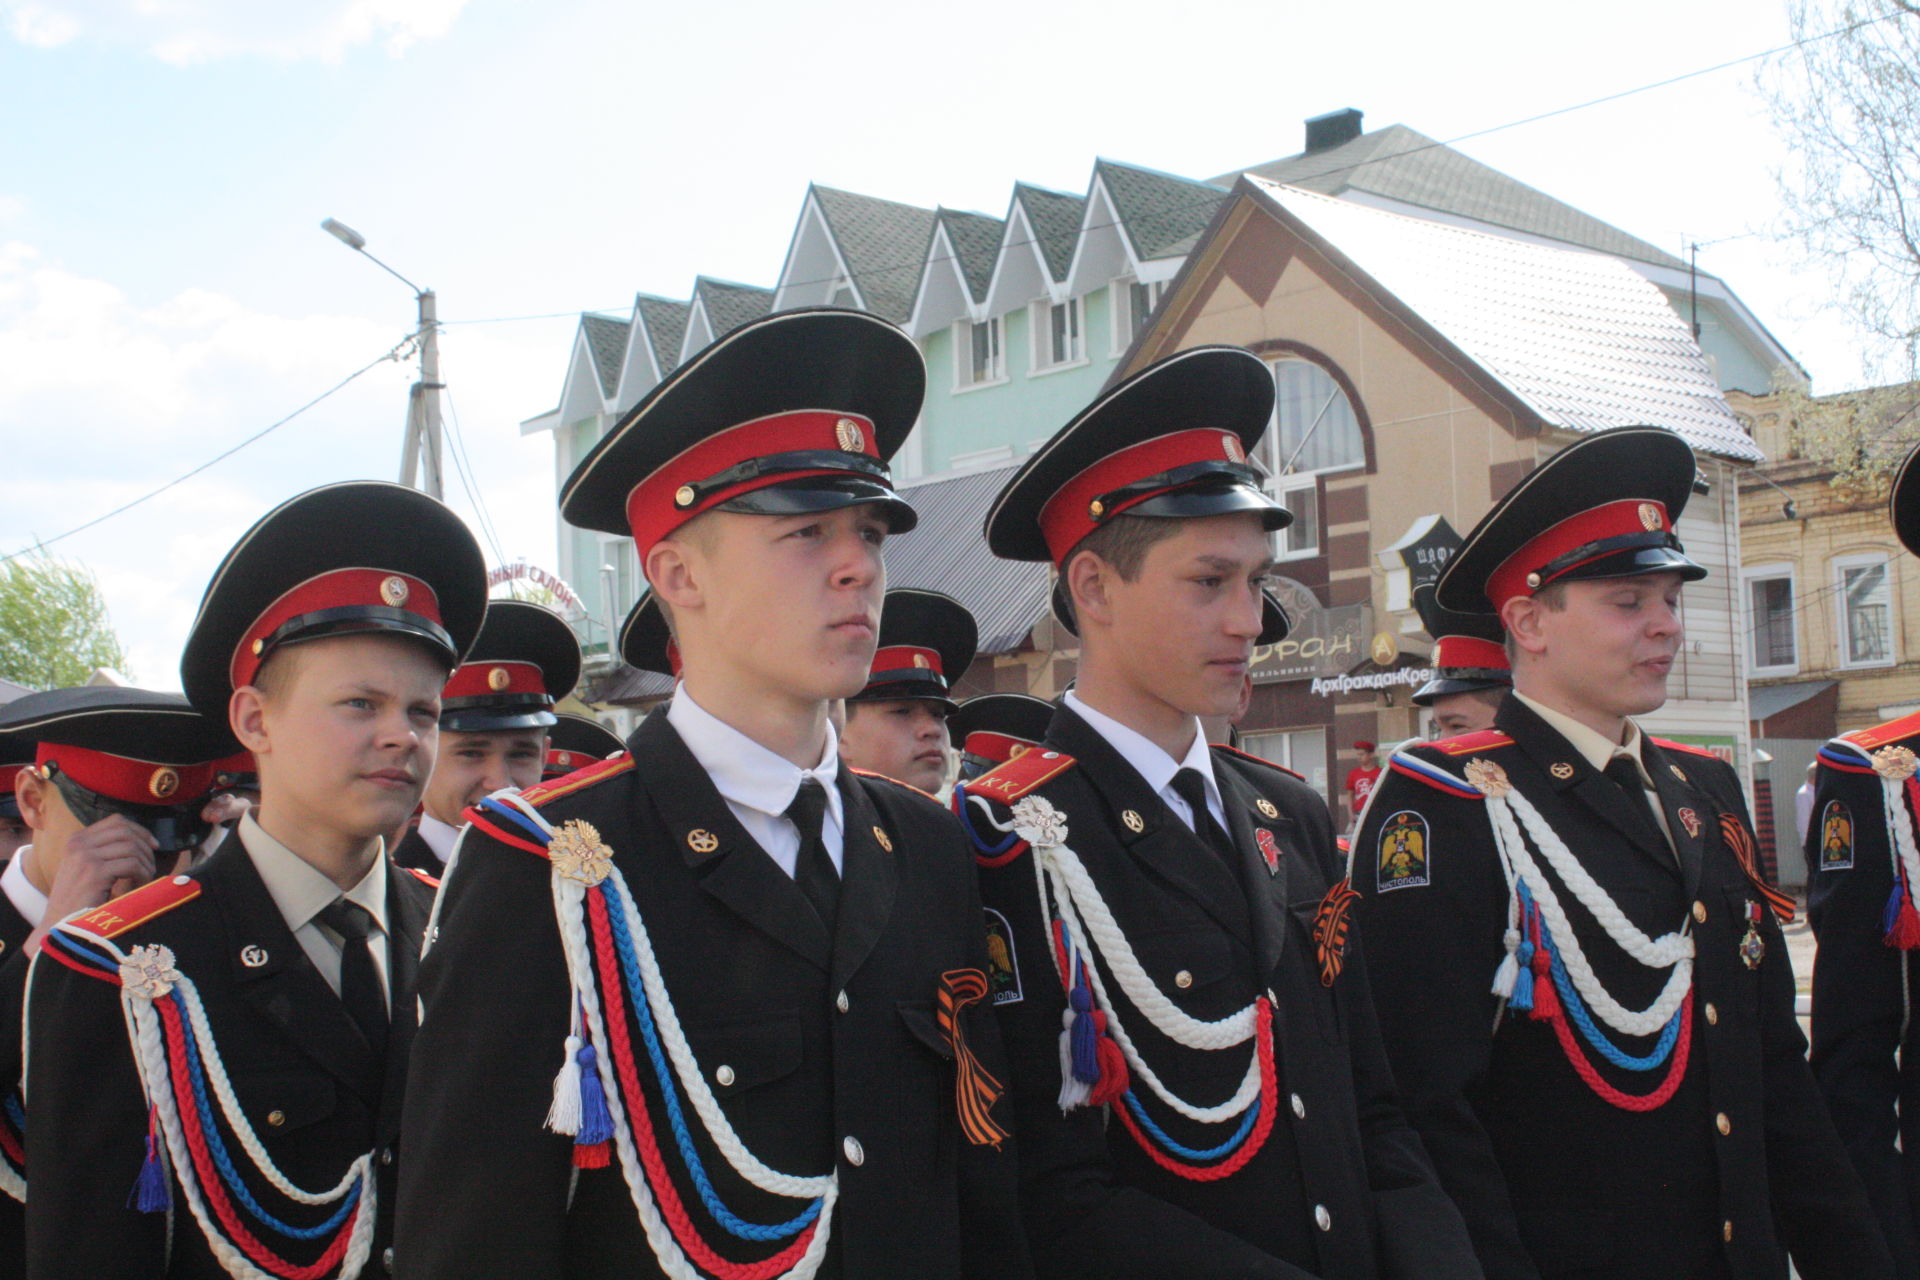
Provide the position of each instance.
(1900, 826)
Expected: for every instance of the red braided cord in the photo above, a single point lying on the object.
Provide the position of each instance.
(210, 1184)
(10, 1144)
(994, 861)
(612, 995)
(1269, 1103)
(1676, 1070)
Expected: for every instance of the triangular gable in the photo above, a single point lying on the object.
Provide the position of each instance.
(815, 272)
(583, 393)
(719, 307)
(1036, 249)
(654, 335)
(958, 272)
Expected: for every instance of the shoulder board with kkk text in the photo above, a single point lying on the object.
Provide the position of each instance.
(540, 793)
(1248, 755)
(1468, 743)
(1021, 776)
(130, 910)
(1882, 734)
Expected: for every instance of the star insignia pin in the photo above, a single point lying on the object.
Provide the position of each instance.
(254, 957)
(1267, 807)
(700, 840)
(881, 838)
(1562, 771)
(1134, 822)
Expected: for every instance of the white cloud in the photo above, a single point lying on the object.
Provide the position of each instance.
(106, 399)
(183, 32)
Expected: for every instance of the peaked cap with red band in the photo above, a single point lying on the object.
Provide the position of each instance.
(795, 412)
(149, 755)
(16, 753)
(525, 659)
(576, 741)
(344, 559)
(646, 643)
(995, 727)
(927, 642)
(1903, 502)
(1603, 507)
(1469, 650)
(1171, 441)
(1274, 622)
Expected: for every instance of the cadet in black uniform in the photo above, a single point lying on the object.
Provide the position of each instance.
(1580, 974)
(993, 728)
(494, 717)
(1861, 860)
(576, 741)
(897, 725)
(245, 1027)
(718, 1004)
(114, 788)
(16, 753)
(1217, 1103)
(1471, 673)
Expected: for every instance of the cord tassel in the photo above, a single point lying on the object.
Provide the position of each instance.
(596, 1122)
(563, 1116)
(151, 1194)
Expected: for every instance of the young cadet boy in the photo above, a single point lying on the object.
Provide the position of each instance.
(245, 1027)
(1471, 673)
(1861, 855)
(114, 788)
(716, 1007)
(1216, 1103)
(897, 725)
(1581, 979)
(494, 717)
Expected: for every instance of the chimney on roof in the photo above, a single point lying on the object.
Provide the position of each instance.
(1332, 129)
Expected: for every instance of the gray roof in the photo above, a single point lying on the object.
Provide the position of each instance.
(624, 686)
(731, 305)
(607, 341)
(1163, 215)
(1767, 700)
(1055, 219)
(666, 322)
(1581, 338)
(1398, 163)
(883, 244)
(948, 552)
(976, 243)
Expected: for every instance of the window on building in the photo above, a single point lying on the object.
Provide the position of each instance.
(1058, 334)
(1866, 611)
(979, 352)
(1302, 750)
(1315, 427)
(1771, 647)
(1300, 495)
(1132, 306)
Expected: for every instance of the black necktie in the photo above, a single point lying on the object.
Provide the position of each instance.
(1627, 774)
(1191, 787)
(812, 868)
(360, 989)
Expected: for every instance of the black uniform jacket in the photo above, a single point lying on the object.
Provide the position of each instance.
(14, 931)
(1342, 1187)
(308, 1081)
(1739, 1166)
(414, 851)
(824, 1053)
(1860, 1006)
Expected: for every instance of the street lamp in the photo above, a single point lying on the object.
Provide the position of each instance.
(420, 454)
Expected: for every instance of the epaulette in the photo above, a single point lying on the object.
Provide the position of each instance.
(540, 793)
(430, 881)
(1882, 734)
(1408, 765)
(868, 773)
(1019, 776)
(1468, 743)
(1688, 747)
(1248, 755)
(131, 910)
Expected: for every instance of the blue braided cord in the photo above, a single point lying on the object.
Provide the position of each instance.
(218, 1147)
(518, 819)
(1570, 1000)
(1188, 1153)
(15, 1112)
(1435, 774)
(960, 806)
(81, 950)
(735, 1225)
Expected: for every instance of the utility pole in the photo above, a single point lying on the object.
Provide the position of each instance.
(420, 449)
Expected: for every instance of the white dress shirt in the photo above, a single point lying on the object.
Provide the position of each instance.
(27, 900)
(440, 836)
(302, 893)
(757, 784)
(1151, 762)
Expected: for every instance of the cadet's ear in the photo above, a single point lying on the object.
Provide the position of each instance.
(673, 568)
(1523, 616)
(247, 717)
(1088, 580)
(34, 793)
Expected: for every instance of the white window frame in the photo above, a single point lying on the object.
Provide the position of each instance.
(963, 379)
(1040, 334)
(1287, 544)
(1315, 768)
(1270, 443)
(1840, 565)
(1768, 573)
(1122, 320)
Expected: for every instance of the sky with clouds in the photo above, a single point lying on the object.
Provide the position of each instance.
(165, 290)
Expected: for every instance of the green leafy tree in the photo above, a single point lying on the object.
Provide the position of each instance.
(54, 629)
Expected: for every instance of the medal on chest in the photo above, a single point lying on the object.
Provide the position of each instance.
(1753, 947)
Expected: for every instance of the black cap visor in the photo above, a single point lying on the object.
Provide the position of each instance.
(1629, 562)
(812, 494)
(487, 715)
(353, 620)
(1457, 682)
(176, 827)
(917, 686)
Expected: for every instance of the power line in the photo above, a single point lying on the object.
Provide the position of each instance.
(470, 481)
(393, 353)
